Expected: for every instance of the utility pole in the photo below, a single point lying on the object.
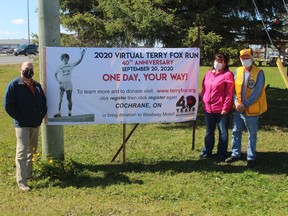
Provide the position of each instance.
(28, 21)
(49, 35)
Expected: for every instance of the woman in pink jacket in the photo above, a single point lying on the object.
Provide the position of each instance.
(217, 92)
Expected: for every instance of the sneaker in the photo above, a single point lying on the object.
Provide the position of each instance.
(251, 163)
(69, 114)
(24, 188)
(231, 159)
(57, 115)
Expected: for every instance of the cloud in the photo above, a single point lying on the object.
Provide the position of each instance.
(4, 34)
(18, 21)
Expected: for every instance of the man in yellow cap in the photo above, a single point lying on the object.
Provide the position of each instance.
(250, 102)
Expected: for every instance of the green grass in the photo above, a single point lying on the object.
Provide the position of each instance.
(162, 175)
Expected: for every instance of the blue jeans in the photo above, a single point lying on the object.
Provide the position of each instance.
(252, 124)
(222, 122)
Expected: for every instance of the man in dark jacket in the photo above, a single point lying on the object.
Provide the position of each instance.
(25, 102)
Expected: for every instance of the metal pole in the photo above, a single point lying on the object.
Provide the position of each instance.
(194, 121)
(28, 22)
(49, 35)
(193, 134)
(124, 143)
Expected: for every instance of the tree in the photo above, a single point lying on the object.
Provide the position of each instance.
(171, 23)
(116, 22)
(35, 38)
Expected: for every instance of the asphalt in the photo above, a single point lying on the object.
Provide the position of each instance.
(11, 59)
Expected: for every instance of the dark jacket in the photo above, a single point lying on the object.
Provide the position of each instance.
(26, 109)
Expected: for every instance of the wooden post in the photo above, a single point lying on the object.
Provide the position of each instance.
(49, 35)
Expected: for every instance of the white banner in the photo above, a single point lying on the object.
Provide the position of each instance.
(121, 85)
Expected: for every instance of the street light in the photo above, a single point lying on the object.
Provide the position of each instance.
(28, 22)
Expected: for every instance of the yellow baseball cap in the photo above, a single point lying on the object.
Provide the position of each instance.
(246, 52)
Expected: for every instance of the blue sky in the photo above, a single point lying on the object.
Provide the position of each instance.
(14, 19)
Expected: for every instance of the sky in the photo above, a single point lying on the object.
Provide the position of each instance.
(14, 19)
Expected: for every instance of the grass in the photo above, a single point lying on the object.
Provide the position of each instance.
(162, 176)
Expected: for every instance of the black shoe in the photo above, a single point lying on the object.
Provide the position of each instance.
(221, 159)
(204, 156)
(69, 114)
(231, 159)
(57, 115)
(251, 163)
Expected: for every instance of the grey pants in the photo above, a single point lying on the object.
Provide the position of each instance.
(27, 142)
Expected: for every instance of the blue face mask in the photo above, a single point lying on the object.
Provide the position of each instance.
(28, 73)
(218, 66)
(246, 62)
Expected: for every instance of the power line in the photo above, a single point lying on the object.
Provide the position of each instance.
(263, 23)
(285, 6)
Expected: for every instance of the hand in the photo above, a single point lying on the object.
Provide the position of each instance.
(237, 105)
(83, 52)
(223, 112)
(241, 108)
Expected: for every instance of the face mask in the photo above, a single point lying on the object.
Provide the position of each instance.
(218, 66)
(246, 62)
(28, 73)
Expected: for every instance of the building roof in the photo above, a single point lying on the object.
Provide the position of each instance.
(13, 41)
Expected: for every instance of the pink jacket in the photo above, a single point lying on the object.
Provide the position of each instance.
(217, 91)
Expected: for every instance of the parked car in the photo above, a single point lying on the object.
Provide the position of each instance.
(26, 49)
(271, 58)
(6, 51)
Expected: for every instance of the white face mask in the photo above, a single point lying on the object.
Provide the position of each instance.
(246, 62)
(218, 66)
